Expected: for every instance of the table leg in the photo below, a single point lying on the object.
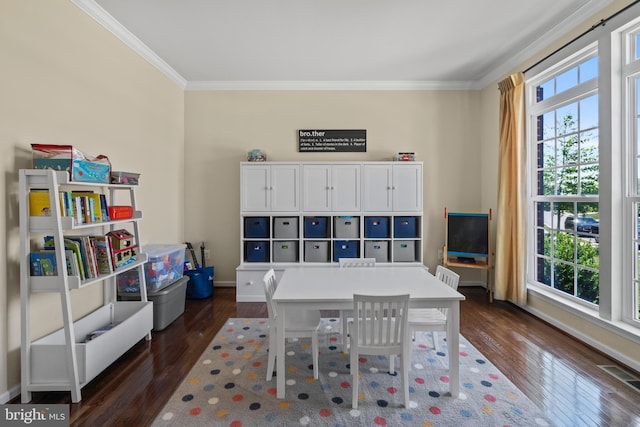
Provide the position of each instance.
(280, 344)
(453, 341)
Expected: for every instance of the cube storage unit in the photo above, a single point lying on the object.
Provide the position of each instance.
(165, 266)
(378, 249)
(168, 303)
(256, 227)
(404, 251)
(315, 227)
(345, 249)
(257, 251)
(376, 227)
(316, 251)
(346, 227)
(285, 227)
(316, 212)
(404, 227)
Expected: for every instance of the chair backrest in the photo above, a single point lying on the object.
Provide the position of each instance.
(380, 322)
(270, 284)
(356, 262)
(448, 277)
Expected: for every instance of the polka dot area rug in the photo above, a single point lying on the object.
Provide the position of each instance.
(228, 387)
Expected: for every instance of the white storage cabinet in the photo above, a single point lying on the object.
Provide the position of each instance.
(353, 209)
(393, 186)
(270, 187)
(64, 360)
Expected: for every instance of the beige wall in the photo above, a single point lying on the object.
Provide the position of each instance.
(66, 80)
(221, 126)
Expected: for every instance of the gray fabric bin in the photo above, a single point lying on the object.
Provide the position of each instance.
(316, 251)
(378, 249)
(347, 227)
(404, 250)
(285, 227)
(285, 251)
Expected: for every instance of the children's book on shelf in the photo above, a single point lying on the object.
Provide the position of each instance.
(43, 263)
(39, 203)
(103, 254)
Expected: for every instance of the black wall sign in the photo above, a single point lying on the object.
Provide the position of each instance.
(340, 140)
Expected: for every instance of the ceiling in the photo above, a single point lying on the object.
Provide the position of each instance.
(340, 44)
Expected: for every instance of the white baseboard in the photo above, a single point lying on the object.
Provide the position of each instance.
(9, 394)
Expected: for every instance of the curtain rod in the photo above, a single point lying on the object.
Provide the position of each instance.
(601, 23)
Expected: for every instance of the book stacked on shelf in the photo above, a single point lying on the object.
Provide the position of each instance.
(85, 207)
(44, 263)
(89, 256)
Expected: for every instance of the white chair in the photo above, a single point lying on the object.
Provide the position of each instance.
(433, 319)
(300, 324)
(345, 315)
(380, 328)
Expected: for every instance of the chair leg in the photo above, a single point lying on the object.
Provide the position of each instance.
(345, 330)
(405, 376)
(272, 354)
(314, 349)
(434, 336)
(392, 369)
(354, 381)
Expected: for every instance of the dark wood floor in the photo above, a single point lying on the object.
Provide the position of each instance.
(555, 371)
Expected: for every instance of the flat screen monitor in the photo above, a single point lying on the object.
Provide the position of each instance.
(467, 235)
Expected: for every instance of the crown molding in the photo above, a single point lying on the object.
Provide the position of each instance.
(329, 85)
(91, 8)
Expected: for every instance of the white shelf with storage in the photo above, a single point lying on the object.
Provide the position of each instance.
(65, 360)
(347, 209)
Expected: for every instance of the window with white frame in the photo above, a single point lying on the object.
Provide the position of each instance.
(564, 143)
(631, 116)
(583, 138)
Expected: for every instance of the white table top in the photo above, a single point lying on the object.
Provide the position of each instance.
(300, 284)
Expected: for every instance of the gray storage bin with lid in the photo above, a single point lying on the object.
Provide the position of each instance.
(168, 303)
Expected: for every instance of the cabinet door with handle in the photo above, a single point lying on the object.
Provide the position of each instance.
(377, 188)
(270, 187)
(316, 188)
(255, 182)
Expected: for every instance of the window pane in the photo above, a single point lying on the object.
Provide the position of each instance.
(567, 80)
(567, 119)
(564, 278)
(547, 124)
(589, 112)
(548, 153)
(637, 46)
(546, 90)
(588, 285)
(589, 151)
(589, 69)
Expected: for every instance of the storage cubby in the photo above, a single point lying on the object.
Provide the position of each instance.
(256, 227)
(316, 227)
(376, 227)
(346, 227)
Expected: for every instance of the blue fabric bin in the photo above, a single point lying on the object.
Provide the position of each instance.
(315, 227)
(257, 251)
(256, 227)
(345, 249)
(376, 227)
(404, 227)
